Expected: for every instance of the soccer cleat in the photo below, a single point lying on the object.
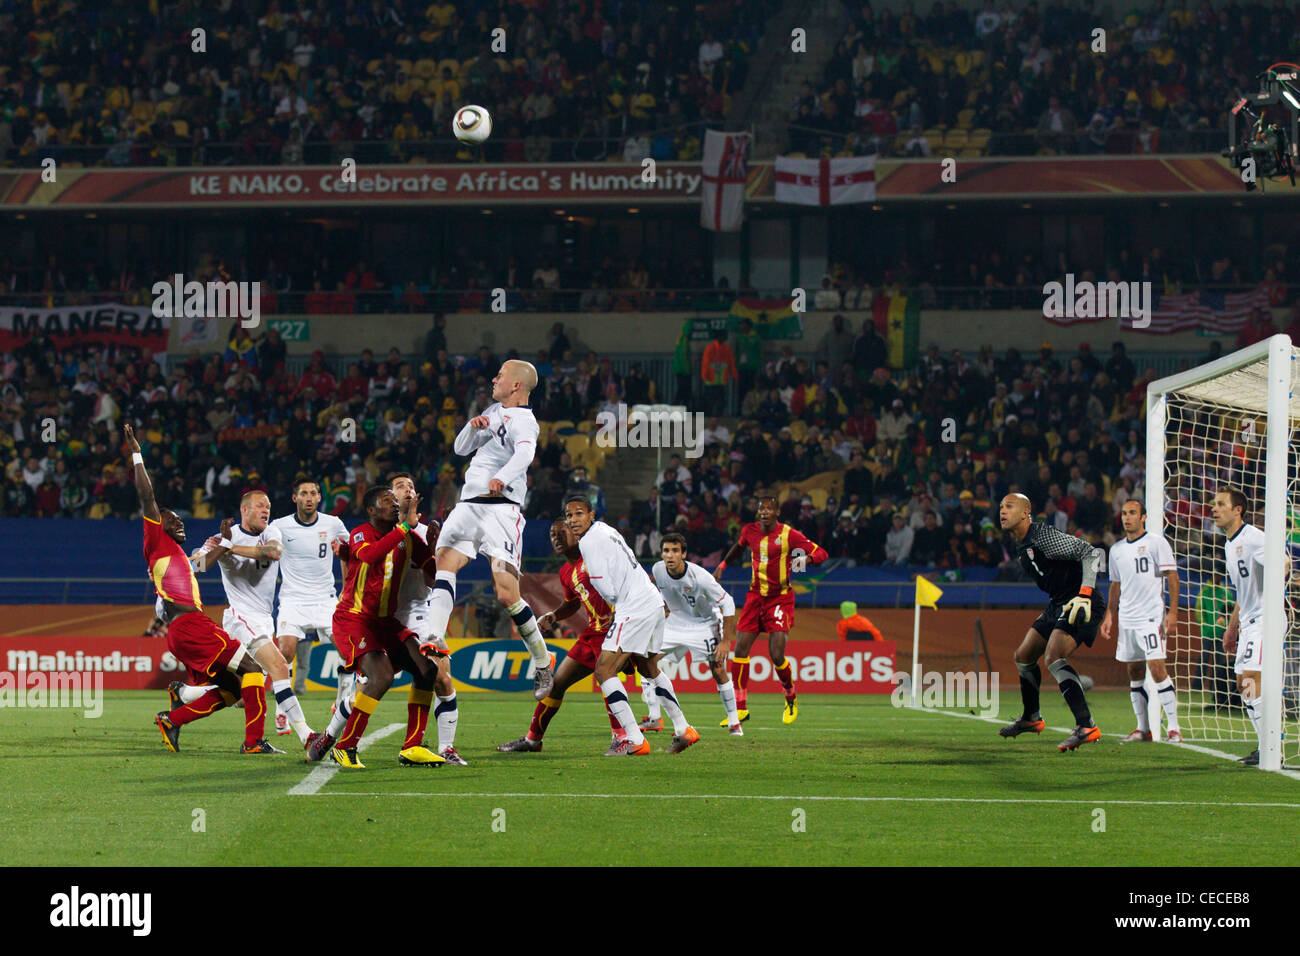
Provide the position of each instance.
(736, 730)
(1250, 760)
(419, 756)
(651, 723)
(617, 747)
(1136, 736)
(643, 749)
(1080, 736)
(318, 745)
(1174, 737)
(522, 745)
(742, 714)
(171, 733)
(544, 680)
(261, 747)
(456, 760)
(791, 712)
(685, 740)
(434, 650)
(282, 725)
(1021, 726)
(174, 694)
(347, 759)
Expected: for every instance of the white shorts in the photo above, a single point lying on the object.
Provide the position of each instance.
(1143, 643)
(251, 630)
(636, 634)
(295, 620)
(496, 530)
(1250, 646)
(700, 639)
(417, 618)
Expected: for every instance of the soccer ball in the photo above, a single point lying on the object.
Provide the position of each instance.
(472, 125)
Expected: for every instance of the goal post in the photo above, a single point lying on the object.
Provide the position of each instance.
(1229, 424)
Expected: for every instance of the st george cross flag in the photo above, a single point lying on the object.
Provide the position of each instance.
(826, 182)
(726, 169)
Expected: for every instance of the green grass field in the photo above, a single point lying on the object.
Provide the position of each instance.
(875, 785)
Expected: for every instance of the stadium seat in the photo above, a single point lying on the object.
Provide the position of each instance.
(405, 66)
(576, 445)
(180, 127)
(818, 496)
(204, 510)
(965, 118)
(563, 427)
(979, 138)
(373, 66)
(955, 139)
(99, 510)
(425, 68)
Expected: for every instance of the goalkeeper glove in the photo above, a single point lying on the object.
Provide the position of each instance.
(1079, 604)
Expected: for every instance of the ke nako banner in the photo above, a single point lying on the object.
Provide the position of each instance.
(726, 171)
(99, 324)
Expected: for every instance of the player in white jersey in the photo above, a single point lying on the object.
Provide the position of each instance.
(635, 633)
(1140, 563)
(307, 592)
(489, 518)
(415, 611)
(701, 620)
(1243, 552)
(246, 554)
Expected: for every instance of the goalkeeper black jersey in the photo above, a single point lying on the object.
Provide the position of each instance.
(1058, 563)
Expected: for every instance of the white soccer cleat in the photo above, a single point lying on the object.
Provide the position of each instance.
(1135, 736)
(282, 725)
(736, 730)
(1174, 737)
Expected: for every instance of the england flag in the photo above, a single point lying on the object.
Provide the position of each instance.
(826, 182)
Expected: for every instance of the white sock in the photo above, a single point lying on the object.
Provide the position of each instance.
(664, 688)
(727, 692)
(444, 599)
(650, 697)
(1256, 714)
(286, 701)
(1138, 695)
(524, 619)
(342, 705)
(301, 665)
(1169, 701)
(447, 714)
(189, 693)
(617, 701)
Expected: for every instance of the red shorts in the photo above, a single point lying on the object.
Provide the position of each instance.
(355, 636)
(586, 648)
(197, 642)
(764, 615)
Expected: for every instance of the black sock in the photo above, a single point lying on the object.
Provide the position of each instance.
(1030, 680)
(1072, 691)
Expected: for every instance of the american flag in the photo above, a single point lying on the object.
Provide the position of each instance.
(1217, 312)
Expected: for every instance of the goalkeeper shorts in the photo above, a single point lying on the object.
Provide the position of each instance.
(1054, 618)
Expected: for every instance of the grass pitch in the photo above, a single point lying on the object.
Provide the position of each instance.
(853, 782)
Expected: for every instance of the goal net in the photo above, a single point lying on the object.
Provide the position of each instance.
(1230, 425)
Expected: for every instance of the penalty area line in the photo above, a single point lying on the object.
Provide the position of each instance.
(1208, 751)
(322, 775)
(442, 795)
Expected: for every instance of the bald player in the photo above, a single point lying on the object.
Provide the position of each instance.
(1066, 569)
(489, 518)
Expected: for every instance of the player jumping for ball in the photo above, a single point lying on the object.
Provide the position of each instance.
(1066, 569)
(1139, 562)
(580, 662)
(769, 605)
(488, 518)
(193, 637)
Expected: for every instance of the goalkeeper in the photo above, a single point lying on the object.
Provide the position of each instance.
(1066, 569)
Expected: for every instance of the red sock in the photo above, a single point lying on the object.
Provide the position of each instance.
(417, 716)
(253, 689)
(546, 709)
(209, 703)
(739, 668)
(362, 708)
(786, 677)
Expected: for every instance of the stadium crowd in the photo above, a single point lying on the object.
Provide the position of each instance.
(121, 83)
(917, 460)
(1033, 77)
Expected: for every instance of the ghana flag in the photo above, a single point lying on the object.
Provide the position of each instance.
(897, 315)
(772, 318)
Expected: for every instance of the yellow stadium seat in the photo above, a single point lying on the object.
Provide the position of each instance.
(405, 66)
(971, 153)
(98, 510)
(563, 426)
(577, 444)
(142, 111)
(965, 118)
(204, 510)
(955, 139)
(818, 496)
(180, 127)
(934, 134)
(979, 138)
(425, 68)
(165, 108)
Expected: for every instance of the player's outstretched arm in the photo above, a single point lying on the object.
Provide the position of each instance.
(731, 555)
(473, 435)
(565, 610)
(143, 486)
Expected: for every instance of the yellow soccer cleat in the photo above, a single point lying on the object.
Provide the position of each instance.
(742, 716)
(347, 759)
(791, 711)
(419, 756)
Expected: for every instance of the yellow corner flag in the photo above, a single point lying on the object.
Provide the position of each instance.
(926, 593)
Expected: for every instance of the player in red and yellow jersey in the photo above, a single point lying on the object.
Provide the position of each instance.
(368, 636)
(777, 551)
(580, 662)
(193, 637)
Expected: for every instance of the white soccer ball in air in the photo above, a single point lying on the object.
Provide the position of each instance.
(472, 124)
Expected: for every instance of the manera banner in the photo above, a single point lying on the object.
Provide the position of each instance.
(102, 323)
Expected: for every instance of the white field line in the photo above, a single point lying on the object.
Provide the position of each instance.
(324, 772)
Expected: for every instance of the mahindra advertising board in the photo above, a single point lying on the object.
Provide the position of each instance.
(134, 663)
